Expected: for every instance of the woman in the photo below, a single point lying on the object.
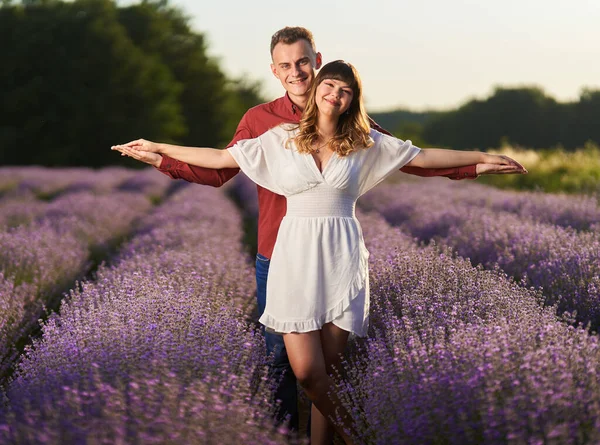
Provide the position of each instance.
(318, 288)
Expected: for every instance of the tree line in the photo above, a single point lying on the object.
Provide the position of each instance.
(78, 77)
(524, 116)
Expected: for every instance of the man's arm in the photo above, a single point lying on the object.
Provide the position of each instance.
(206, 176)
(467, 172)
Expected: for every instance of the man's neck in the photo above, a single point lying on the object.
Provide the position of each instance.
(299, 101)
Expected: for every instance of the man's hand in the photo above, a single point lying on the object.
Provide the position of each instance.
(148, 157)
(500, 165)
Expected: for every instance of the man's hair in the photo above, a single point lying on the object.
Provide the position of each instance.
(291, 34)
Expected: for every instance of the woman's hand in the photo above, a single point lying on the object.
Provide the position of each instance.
(143, 145)
(146, 156)
(499, 164)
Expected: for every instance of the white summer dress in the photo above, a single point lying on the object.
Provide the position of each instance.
(319, 267)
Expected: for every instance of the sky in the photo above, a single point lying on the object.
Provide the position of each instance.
(422, 54)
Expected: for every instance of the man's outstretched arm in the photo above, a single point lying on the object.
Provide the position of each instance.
(468, 172)
(207, 176)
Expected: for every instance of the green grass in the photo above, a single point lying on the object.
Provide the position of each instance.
(552, 170)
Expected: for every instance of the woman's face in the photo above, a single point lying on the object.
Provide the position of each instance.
(333, 97)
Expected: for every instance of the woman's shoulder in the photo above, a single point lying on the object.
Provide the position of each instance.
(376, 135)
(286, 129)
(278, 136)
(281, 132)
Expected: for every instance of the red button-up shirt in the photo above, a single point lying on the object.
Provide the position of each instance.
(272, 207)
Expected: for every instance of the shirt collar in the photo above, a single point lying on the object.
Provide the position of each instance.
(291, 105)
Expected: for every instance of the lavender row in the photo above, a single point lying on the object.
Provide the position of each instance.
(561, 262)
(47, 183)
(158, 348)
(460, 355)
(40, 259)
(579, 212)
(565, 263)
(246, 194)
(14, 322)
(22, 210)
(22, 205)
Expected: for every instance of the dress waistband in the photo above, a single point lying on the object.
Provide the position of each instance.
(321, 201)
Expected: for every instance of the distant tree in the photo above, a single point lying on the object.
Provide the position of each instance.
(74, 84)
(586, 118)
(391, 120)
(243, 95)
(163, 33)
(80, 76)
(525, 116)
(519, 116)
(412, 131)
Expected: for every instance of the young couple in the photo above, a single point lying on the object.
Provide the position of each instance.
(312, 153)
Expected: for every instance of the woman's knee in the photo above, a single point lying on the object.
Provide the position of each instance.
(311, 377)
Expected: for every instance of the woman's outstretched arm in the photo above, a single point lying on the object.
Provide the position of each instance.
(202, 157)
(441, 158)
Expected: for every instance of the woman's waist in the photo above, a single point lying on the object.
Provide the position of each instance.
(307, 205)
(319, 210)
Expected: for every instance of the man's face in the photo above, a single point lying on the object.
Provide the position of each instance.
(294, 65)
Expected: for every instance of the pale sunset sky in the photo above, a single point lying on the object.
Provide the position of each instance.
(420, 54)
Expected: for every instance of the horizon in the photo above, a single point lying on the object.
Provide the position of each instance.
(462, 52)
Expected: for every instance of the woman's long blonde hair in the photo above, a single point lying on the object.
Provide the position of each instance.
(353, 126)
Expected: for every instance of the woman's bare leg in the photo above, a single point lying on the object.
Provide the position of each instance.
(321, 430)
(307, 358)
(333, 342)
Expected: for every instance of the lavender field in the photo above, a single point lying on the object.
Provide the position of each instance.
(485, 309)
(550, 242)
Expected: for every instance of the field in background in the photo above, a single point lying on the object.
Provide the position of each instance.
(553, 170)
(485, 308)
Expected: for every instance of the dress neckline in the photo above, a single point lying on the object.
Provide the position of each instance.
(323, 169)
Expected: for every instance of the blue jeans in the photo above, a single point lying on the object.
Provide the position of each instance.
(280, 370)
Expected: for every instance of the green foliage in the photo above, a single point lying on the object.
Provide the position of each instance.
(243, 95)
(78, 77)
(523, 116)
(412, 131)
(391, 120)
(163, 33)
(585, 117)
(553, 170)
(75, 84)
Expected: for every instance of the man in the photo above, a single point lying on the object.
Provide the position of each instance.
(294, 61)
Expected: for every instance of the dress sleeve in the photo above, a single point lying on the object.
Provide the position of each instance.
(258, 161)
(385, 157)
